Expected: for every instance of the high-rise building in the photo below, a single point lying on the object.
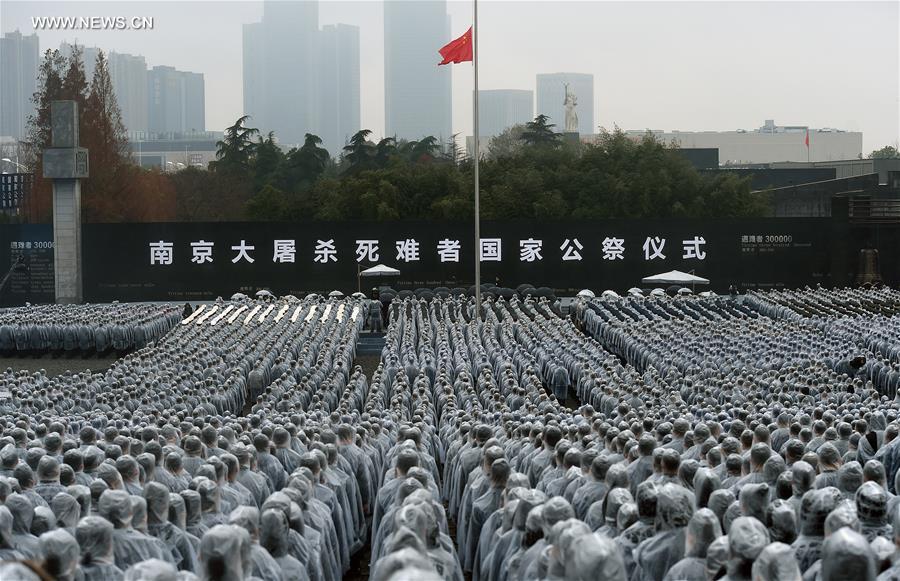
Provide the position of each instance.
(19, 56)
(338, 116)
(253, 61)
(417, 92)
(551, 94)
(128, 74)
(499, 109)
(176, 101)
(280, 69)
(129, 80)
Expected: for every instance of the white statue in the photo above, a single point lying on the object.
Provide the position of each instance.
(571, 116)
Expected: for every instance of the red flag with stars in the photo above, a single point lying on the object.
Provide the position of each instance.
(457, 51)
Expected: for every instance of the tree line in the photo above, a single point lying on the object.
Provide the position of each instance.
(527, 172)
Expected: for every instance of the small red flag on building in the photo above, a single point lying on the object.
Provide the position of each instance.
(457, 51)
(807, 139)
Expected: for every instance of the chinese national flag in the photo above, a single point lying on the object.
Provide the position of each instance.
(459, 50)
(807, 139)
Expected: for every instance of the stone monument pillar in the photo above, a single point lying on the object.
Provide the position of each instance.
(66, 164)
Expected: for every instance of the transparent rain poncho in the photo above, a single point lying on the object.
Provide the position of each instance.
(95, 539)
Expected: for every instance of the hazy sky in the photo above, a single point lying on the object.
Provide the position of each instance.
(660, 65)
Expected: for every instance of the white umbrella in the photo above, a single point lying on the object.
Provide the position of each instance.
(675, 277)
(336, 293)
(380, 270)
(359, 296)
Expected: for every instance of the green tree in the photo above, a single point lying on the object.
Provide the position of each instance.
(452, 151)
(425, 149)
(267, 159)
(507, 144)
(302, 166)
(385, 150)
(236, 149)
(359, 151)
(313, 157)
(269, 204)
(886, 152)
(540, 133)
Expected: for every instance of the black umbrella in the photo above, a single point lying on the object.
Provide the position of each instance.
(507, 293)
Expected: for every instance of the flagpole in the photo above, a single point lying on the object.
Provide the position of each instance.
(477, 161)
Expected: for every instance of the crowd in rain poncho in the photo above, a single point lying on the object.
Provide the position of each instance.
(84, 328)
(640, 439)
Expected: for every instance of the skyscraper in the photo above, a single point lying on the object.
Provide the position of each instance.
(417, 92)
(129, 80)
(338, 116)
(128, 74)
(18, 81)
(253, 74)
(551, 93)
(176, 101)
(280, 69)
(499, 109)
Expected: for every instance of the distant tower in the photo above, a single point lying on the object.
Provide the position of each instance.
(280, 69)
(18, 81)
(417, 92)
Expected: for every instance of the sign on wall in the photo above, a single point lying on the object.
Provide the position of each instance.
(202, 261)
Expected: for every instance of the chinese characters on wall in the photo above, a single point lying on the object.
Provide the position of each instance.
(408, 250)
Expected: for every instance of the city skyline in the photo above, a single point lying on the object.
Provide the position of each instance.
(708, 78)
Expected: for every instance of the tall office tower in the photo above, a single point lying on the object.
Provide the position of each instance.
(129, 80)
(19, 57)
(551, 94)
(176, 101)
(338, 116)
(253, 62)
(499, 109)
(280, 77)
(128, 74)
(417, 92)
